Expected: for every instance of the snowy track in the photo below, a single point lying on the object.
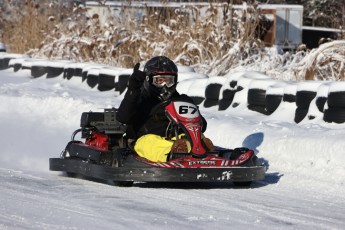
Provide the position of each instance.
(32, 200)
(304, 187)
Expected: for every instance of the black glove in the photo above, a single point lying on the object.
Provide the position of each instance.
(137, 78)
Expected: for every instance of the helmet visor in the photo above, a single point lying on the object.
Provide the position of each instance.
(162, 80)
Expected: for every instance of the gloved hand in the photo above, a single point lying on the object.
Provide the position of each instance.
(137, 78)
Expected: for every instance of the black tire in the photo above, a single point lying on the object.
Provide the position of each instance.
(38, 71)
(336, 99)
(258, 108)
(300, 114)
(210, 102)
(54, 71)
(272, 102)
(224, 104)
(257, 97)
(68, 73)
(212, 91)
(78, 72)
(121, 85)
(320, 103)
(92, 80)
(227, 97)
(303, 98)
(106, 82)
(4, 63)
(233, 84)
(228, 94)
(336, 115)
(84, 75)
(17, 67)
(289, 98)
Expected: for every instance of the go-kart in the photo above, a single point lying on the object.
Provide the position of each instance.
(107, 154)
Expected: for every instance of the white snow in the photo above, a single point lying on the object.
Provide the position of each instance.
(304, 186)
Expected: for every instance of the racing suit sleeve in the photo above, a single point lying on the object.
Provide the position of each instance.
(127, 109)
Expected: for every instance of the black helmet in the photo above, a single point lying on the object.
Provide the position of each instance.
(162, 69)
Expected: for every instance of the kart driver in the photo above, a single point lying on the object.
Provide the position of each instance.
(146, 123)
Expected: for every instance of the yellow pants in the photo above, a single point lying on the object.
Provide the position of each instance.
(153, 147)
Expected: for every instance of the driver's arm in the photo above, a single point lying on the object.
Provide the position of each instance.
(127, 109)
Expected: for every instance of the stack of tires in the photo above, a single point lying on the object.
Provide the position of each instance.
(214, 84)
(317, 105)
(306, 92)
(335, 107)
(38, 69)
(240, 99)
(274, 96)
(257, 95)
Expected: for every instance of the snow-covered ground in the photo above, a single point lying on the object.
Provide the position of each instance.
(304, 187)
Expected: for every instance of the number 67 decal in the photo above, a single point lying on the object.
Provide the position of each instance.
(184, 109)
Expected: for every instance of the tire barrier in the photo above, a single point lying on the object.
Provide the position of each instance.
(306, 92)
(335, 107)
(305, 101)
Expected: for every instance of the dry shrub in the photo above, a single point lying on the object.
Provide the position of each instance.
(212, 41)
(25, 24)
(327, 62)
(222, 41)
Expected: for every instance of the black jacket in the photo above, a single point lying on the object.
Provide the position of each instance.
(136, 112)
